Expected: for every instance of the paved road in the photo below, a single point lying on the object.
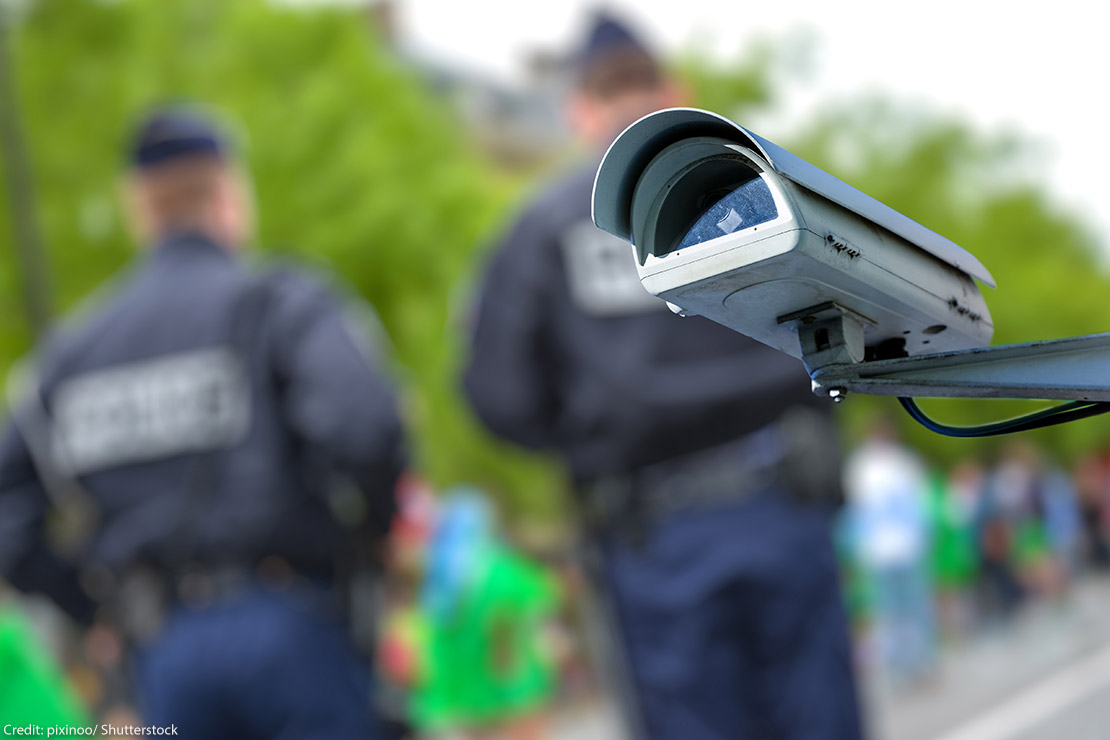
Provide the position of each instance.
(1044, 677)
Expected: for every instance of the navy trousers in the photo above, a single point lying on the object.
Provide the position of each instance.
(733, 624)
(259, 664)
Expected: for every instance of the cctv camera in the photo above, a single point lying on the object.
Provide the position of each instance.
(729, 226)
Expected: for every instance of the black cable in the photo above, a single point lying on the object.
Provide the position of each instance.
(1072, 411)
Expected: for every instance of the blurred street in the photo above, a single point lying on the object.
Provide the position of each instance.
(1046, 675)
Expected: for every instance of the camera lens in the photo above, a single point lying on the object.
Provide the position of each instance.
(749, 205)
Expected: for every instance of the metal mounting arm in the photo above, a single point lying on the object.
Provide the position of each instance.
(1076, 368)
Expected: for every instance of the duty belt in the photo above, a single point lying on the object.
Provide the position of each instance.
(629, 502)
(145, 596)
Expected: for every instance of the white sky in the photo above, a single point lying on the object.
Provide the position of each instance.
(1035, 68)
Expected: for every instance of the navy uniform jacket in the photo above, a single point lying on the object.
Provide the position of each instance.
(206, 412)
(571, 353)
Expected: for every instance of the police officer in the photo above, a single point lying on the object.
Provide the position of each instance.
(703, 468)
(203, 415)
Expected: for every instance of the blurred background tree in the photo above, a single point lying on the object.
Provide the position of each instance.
(986, 193)
(361, 169)
(358, 169)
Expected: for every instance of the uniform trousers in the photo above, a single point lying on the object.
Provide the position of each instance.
(733, 625)
(257, 664)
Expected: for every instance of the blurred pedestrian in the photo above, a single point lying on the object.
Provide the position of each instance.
(706, 469)
(1092, 480)
(402, 632)
(33, 688)
(1063, 525)
(197, 422)
(1012, 540)
(955, 553)
(489, 673)
(887, 488)
(1037, 502)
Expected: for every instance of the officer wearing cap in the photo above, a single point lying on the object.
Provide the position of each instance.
(202, 414)
(705, 469)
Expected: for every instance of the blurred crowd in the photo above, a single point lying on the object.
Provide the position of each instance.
(934, 555)
(479, 636)
(474, 636)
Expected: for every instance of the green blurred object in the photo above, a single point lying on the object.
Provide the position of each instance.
(954, 557)
(485, 659)
(1031, 544)
(33, 690)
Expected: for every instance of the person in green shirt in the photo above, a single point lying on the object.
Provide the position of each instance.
(33, 690)
(953, 504)
(486, 667)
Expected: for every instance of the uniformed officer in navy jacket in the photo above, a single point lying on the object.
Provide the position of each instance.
(200, 419)
(684, 441)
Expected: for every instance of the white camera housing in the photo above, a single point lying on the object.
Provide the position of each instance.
(727, 225)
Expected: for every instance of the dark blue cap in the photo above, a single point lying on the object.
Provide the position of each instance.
(168, 133)
(609, 39)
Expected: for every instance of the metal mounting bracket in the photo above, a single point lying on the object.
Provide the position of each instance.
(1075, 368)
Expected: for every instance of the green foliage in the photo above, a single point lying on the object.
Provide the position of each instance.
(357, 168)
(731, 88)
(982, 192)
(360, 170)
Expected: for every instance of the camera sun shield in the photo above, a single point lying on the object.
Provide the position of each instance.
(727, 225)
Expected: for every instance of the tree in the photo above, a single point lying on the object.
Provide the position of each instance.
(358, 169)
(984, 193)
